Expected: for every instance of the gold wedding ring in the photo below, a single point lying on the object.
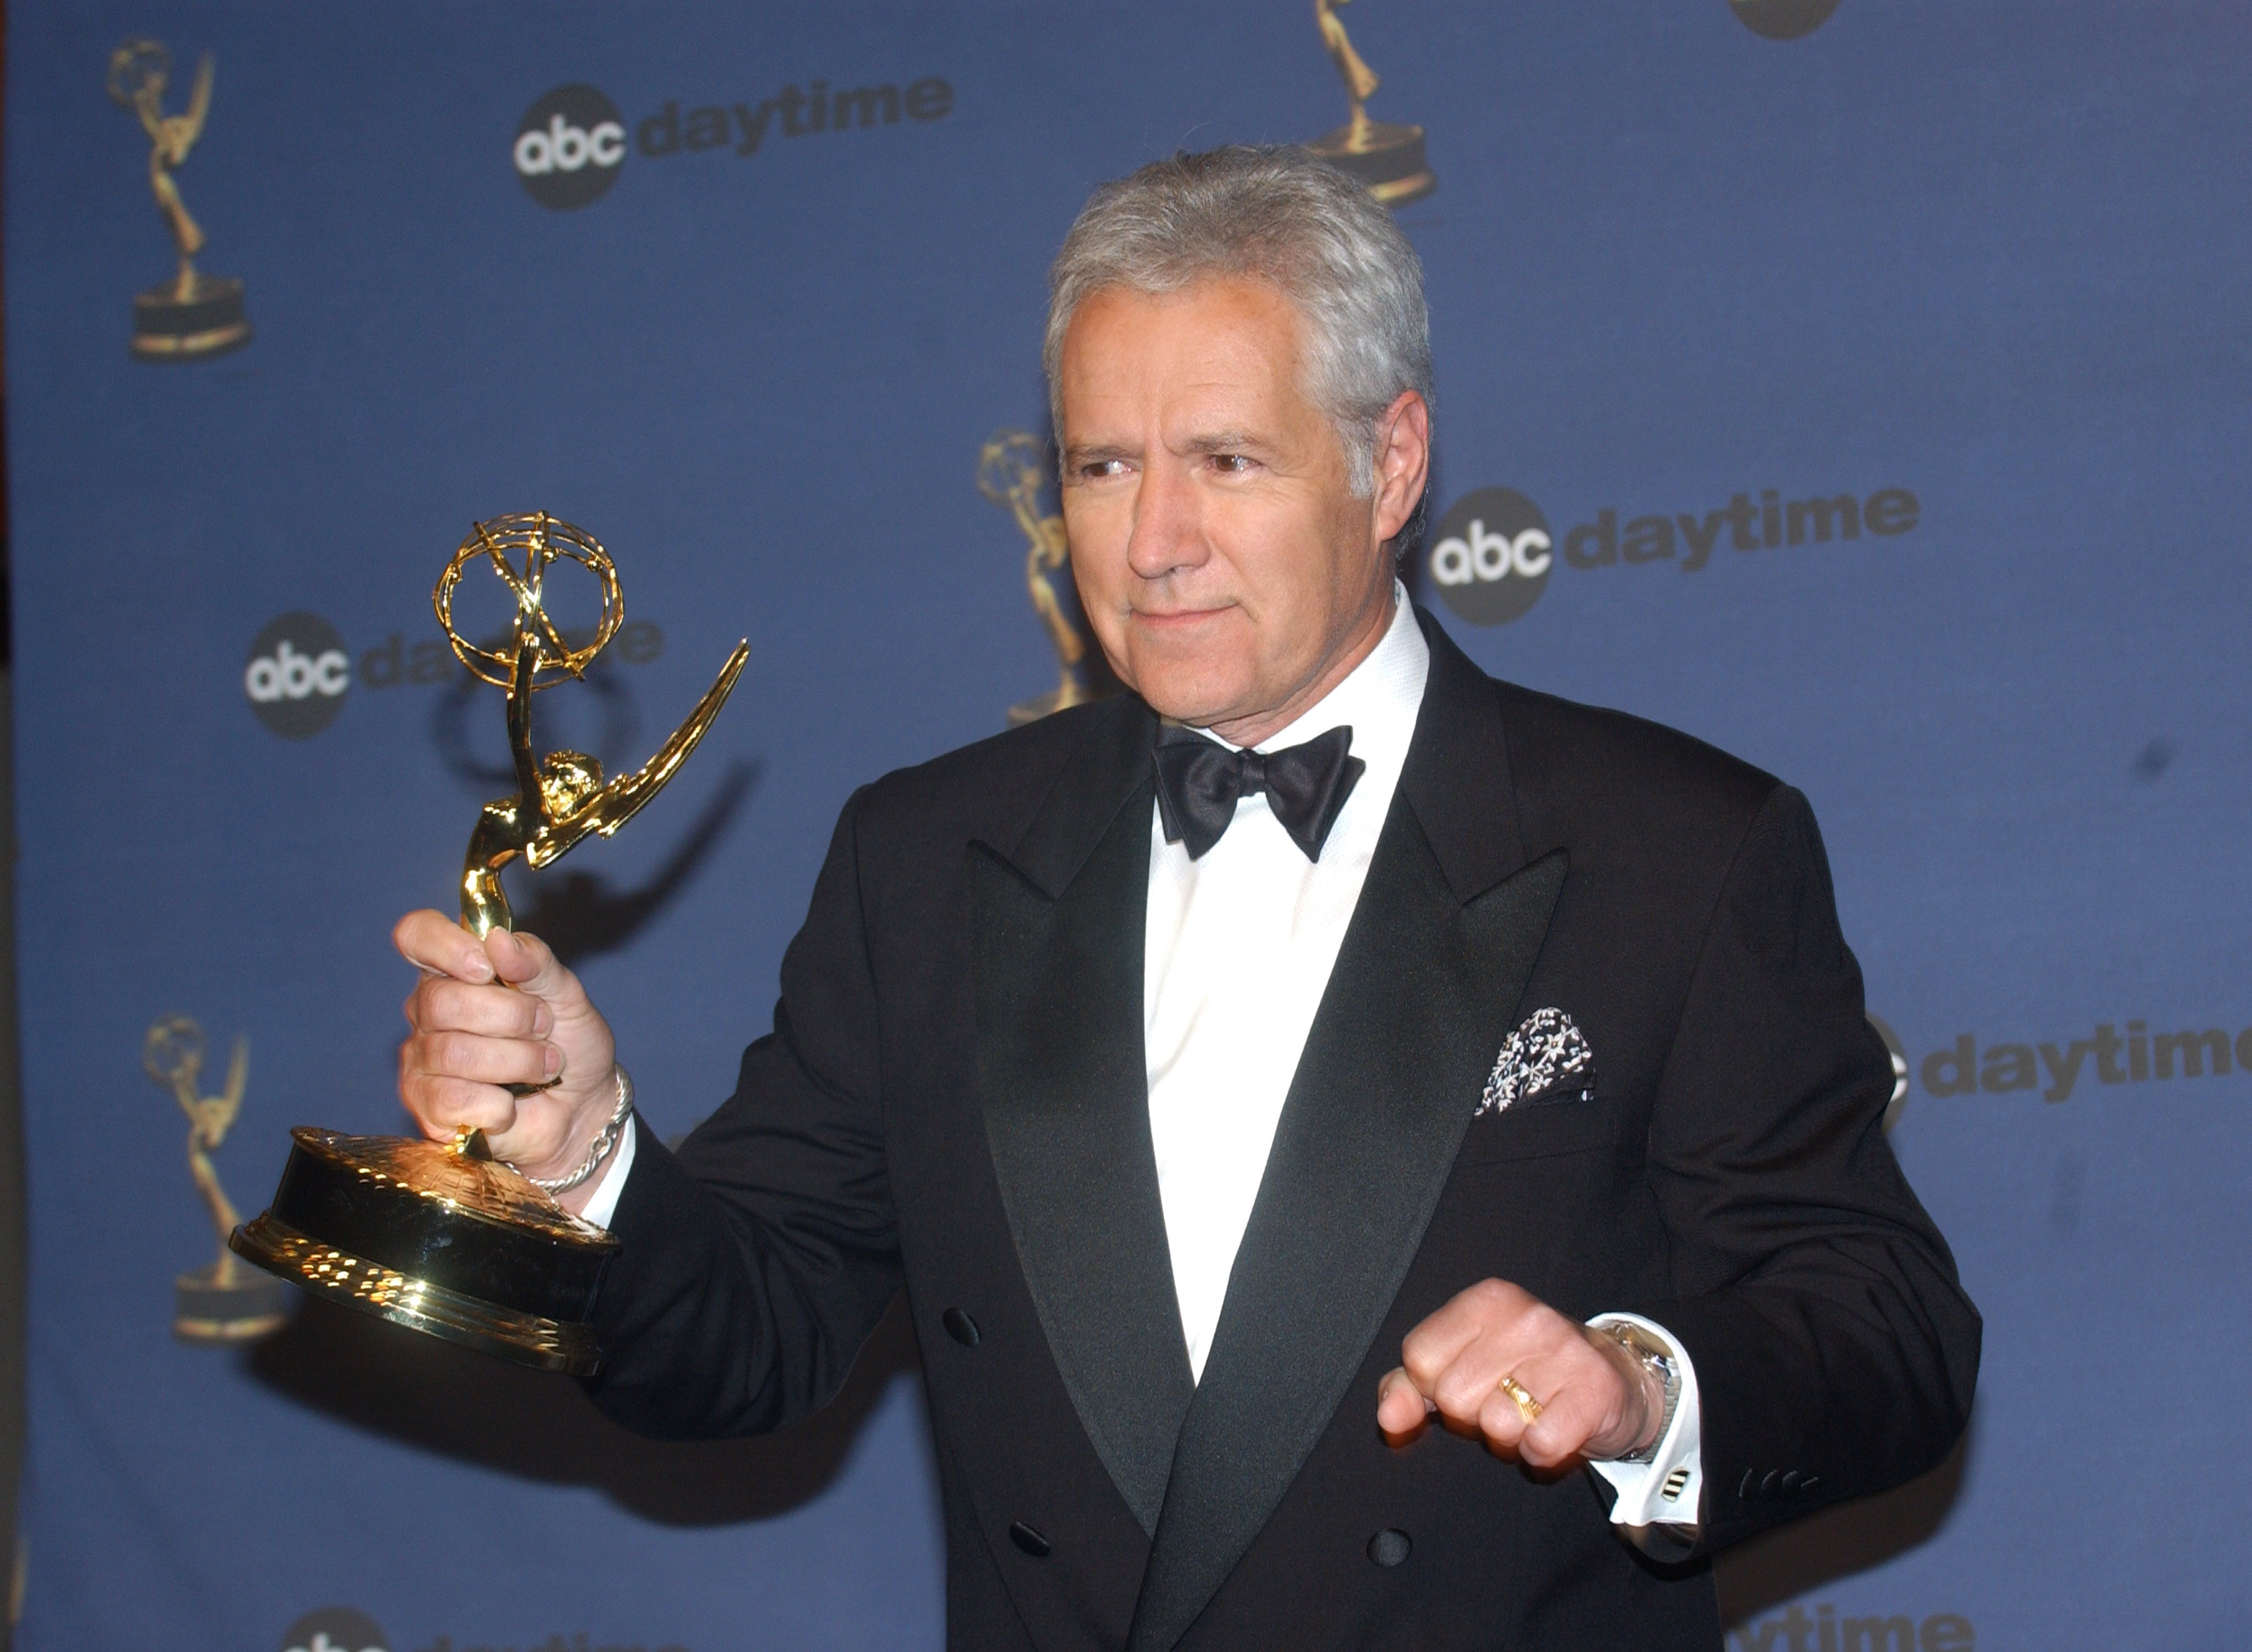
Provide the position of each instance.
(1527, 1407)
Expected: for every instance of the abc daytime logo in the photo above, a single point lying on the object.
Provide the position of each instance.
(335, 1630)
(300, 670)
(1898, 1051)
(569, 147)
(1490, 555)
(572, 143)
(1783, 19)
(296, 676)
(1495, 550)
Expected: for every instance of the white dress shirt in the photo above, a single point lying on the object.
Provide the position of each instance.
(1238, 948)
(1237, 951)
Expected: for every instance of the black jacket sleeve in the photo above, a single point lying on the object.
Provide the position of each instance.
(1834, 1347)
(758, 1259)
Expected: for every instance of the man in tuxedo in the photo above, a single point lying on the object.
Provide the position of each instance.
(1320, 1041)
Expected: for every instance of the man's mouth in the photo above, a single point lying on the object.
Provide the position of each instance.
(1176, 618)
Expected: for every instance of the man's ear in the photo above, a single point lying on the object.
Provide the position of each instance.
(1403, 465)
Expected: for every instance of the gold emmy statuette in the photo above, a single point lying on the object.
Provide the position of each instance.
(222, 1301)
(1009, 470)
(444, 1238)
(192, 314)
(1386, 157)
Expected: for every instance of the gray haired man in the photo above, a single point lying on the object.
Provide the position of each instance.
(1319, 1043)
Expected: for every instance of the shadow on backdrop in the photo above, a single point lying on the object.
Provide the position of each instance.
(537, 1426)
(580, 915)
(600, 713)
(1756, 1577)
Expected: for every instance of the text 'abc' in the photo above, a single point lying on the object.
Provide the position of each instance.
(563, 148)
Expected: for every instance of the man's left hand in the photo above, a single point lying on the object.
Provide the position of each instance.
(1595, 1400)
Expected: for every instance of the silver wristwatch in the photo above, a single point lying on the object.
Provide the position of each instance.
(1655, 1357)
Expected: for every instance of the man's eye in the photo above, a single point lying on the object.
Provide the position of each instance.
(1232, 464)
(1094, 468)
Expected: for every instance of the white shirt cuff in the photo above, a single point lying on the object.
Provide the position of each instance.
(612, 1181)
(1669, 1489)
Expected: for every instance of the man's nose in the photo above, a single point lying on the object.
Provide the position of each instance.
(1168, 532)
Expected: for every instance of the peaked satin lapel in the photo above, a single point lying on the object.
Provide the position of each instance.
(1057, 949)
(1425, 986)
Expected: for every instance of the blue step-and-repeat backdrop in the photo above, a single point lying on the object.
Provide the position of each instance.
(1863, 388)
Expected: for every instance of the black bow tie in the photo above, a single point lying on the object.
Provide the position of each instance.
(1199, 780)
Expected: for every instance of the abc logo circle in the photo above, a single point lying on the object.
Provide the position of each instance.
(335, 1630)
(297, 675)
(1899, 1053)
(569, 147)
(1783, 19)
(1490, 555)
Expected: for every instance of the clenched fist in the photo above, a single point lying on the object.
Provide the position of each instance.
(496, 1011)
(1595, 1400)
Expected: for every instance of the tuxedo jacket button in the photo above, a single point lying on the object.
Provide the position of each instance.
(1769, 1482)
(1747, 1488)
(960, 1327)
(1806, 1486)
(1030, 1541)
(1789, 1486)
(1389, 1547)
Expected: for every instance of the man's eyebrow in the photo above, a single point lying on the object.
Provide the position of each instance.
(1223, 441)
(1093, 452)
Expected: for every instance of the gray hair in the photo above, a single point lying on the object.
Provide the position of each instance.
(1278, 213)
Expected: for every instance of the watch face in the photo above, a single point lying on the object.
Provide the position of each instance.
(1641, 1343)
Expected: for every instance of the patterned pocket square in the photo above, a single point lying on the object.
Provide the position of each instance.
(1536, 1060)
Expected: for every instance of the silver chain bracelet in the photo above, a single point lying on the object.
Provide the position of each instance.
(599, 1148)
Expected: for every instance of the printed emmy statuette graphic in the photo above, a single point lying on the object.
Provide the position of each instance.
(1010, 468)
(221, 1301)
(1384, 155)
(192, 314)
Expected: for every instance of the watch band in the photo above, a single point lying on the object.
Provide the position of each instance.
(1655, 1357)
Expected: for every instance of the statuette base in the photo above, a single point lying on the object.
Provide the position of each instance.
(1387, 157)
(238, 1310)
(458, 1248)
(207, 320)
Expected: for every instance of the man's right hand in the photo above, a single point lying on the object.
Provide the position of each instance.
(496, 1011)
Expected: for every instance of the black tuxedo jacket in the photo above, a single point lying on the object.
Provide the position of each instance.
(953, 1097)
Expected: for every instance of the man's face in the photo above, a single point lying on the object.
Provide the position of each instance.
(1224, 563)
